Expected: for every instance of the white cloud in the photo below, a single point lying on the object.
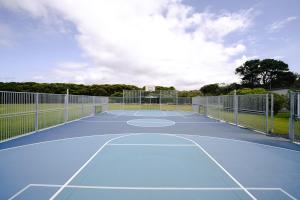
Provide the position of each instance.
(161, 42)
(6, 36)
(278, 25)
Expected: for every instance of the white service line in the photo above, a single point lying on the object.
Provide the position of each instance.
(84, 165)
(155, 145)
(219, 165)
(152, 188)
(199, 122)
(98, 121)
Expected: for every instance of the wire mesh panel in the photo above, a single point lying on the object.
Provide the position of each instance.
(184, 104)
(168, 100)
(152, 100)
(24, 112)
(51, 109)
(115, 103)
(294, 129)
(252, 111)
(249, 111)
(17, 114)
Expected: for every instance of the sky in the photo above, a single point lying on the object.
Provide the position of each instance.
(181, 43)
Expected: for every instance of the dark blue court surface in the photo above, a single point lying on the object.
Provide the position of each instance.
(133, 155)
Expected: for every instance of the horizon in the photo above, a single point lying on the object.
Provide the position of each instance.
(186, 44)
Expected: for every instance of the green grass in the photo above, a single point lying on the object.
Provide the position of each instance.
(19, 119)
(166, 107)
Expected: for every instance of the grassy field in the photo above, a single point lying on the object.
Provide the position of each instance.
(149, 107)
(20, 119)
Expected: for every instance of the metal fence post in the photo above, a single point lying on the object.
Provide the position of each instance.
(291, 125)
(176, 100)
(219, 107)
(140, 99)
(36, 125)
(272, 113)
(206, 106)
(236, 107)
(267, 113)
(66, 110)
(159, 99)
(94, 106)
(123, 102)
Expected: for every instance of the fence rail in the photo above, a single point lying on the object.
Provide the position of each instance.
(25, 112)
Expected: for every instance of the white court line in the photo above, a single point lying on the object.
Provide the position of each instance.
(219, 138)
(95, 121)
(218, 164)
(98, 121)
(152, 189)
(84, 165)
(288, 194)
(154, 145)
(118, 115)
(58, 140)
(199, 122)
(236, 140)
(19, 192)
(135, 113)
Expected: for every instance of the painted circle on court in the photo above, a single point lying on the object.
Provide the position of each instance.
(150, 122)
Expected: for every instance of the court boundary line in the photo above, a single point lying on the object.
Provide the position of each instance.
(116, 121)
(221, 167)
(97, 135)
(153, 144)
(236, 140)
(155, 188)
(84, 165)
(58, 140)
(163, 123)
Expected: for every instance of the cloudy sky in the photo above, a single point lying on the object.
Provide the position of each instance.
(185, 43)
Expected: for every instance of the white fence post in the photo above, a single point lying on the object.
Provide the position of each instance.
(123, 103)
(272, 113)
(292, 113)
(236, 108)
(36, 112)
(267, 113)
(66, 110)
(206, 106)
(94, 106)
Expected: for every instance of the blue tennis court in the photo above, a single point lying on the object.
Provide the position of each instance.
(148, 154)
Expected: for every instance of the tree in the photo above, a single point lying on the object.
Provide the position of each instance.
(267, 73)
(211, 89)
(275, 73)
(249, 72)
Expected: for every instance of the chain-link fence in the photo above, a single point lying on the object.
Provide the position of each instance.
(24, 112)
(251, 111)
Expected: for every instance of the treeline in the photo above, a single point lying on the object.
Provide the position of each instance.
(268, 74)
(77, 89)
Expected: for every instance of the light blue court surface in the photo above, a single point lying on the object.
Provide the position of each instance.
(138, 160)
